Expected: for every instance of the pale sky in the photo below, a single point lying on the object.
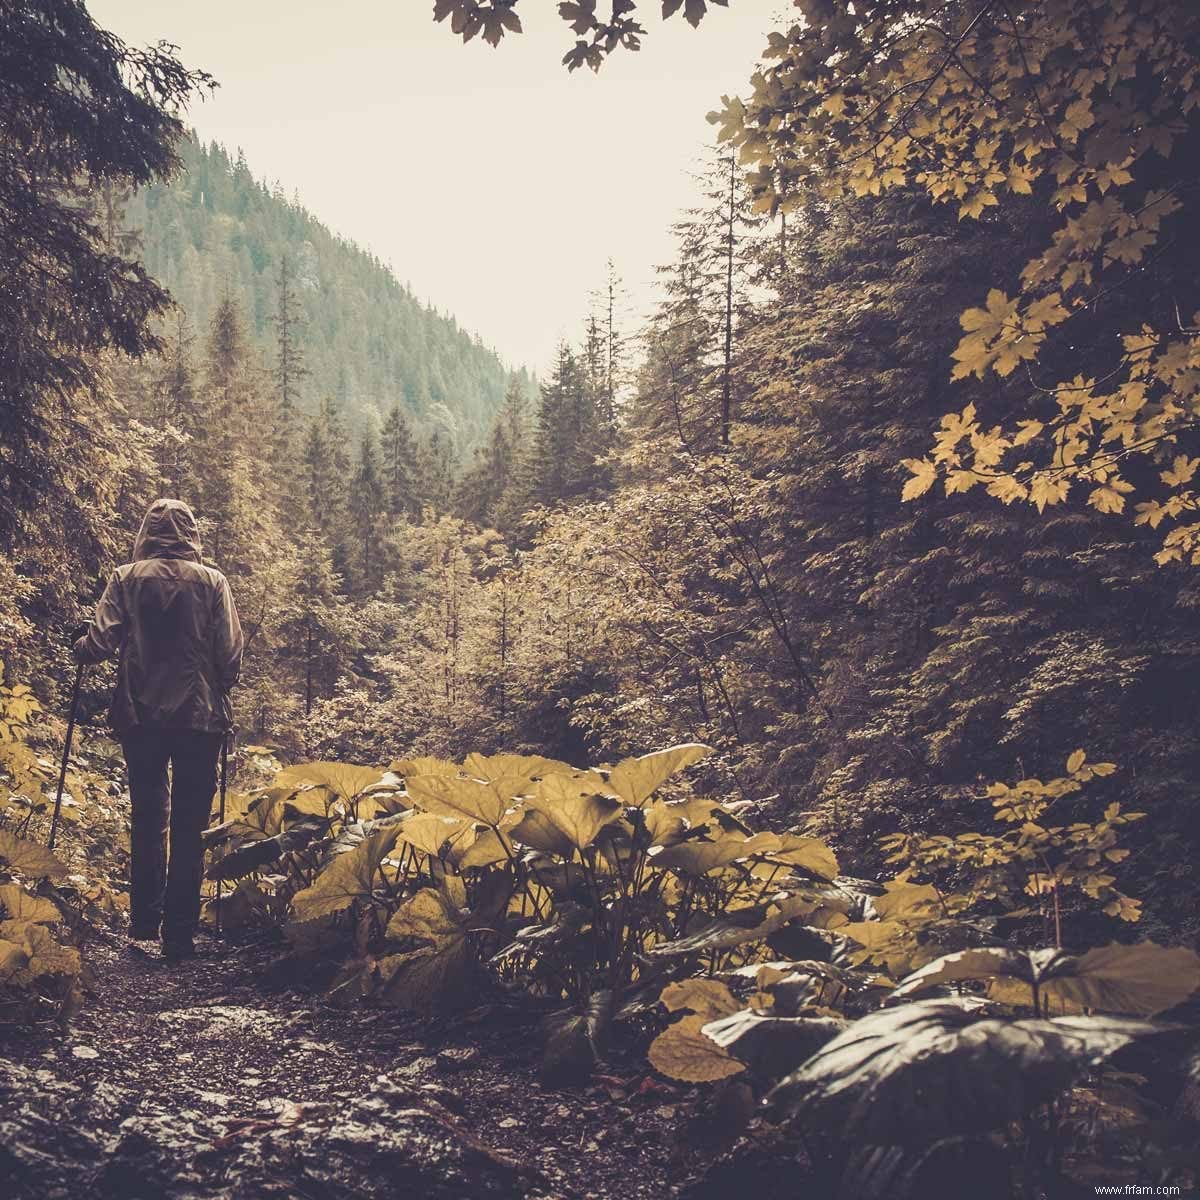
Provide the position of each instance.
(493, 182)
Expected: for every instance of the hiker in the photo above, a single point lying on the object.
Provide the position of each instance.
(173, 623)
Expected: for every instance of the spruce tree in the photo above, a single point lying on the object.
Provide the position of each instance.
(176, 412)
(290, 370)
(399, 466)
(367, 508)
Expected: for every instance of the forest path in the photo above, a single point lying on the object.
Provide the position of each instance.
(206, 1080)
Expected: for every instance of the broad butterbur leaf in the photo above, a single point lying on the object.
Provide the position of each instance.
(575, 1040)
(1141, 979)
(457, 796)
(537, 831)
(936, 1069)
(422, 980)
(512, 775)
(635, 780)
(20, 905)
(806, 854)
(491, 846)
(698, 856)
(348, 877)
(28, 858)
(704, 997)
(344, 779)
(432, 834)
(771, 1045)
(683, 1052)
(13, 959)
(573, 806)
(44, 955)
(254, 855)
(431, 914)
(424, 765)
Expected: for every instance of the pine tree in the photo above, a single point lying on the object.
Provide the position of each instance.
(694, 338)
(399, 466)
(312, 626)
(367, 508)
(290, 370)
(226, 426)
(562, 460)
(176, 413)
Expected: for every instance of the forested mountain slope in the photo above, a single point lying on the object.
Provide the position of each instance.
(368, 341)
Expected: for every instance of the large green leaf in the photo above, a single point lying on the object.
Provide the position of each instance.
(636, 779)
(736, 928)
(512, 775)
(1141, 979)
(572, 804)
(705, 997)
(936, 1069)
(422, 980)
(424, 765)
(28, 858)
(457, 796)
(253, 855)
(426, 980)
(431, 914)
(13, 959)
(20, 905)
(538, 832)
(683, 1052)
(771, 1045)
(432, 834)
(806, 854)
(902, 900)
(344, 779)
(698, 856)
(491, 846)
(44, 955)
(347, 878)
(575, 1040)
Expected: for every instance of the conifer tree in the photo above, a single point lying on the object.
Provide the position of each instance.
(367, 508)
(176, 413)
(226, 427)
(290, 370)
(399, 466)
(563, 441)
(312, 627)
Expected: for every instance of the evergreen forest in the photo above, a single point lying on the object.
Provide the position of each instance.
(763, 741)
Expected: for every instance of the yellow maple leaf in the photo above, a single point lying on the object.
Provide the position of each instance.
(924, 473)
(1181, 472)
(1045, 489)
(961, 481)
(1006, 488)
(1109, 497)
(1043, 313)
(1078, 117)
(991, 320)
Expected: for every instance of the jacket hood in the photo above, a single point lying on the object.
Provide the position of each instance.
(168, 531)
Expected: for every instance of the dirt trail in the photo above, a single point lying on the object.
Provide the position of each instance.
(199, 1080)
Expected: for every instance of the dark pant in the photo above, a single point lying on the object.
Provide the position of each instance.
(161, 892)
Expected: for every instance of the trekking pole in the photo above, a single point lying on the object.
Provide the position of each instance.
(62, 773)
(221, 817)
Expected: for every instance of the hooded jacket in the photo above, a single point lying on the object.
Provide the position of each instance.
(173, 624)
